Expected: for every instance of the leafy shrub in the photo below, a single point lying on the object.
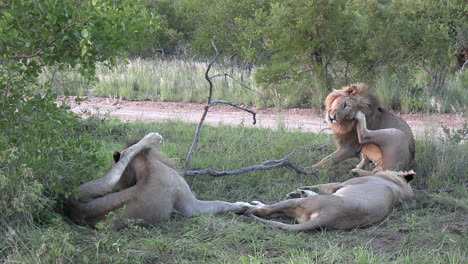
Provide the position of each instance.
(42, 157)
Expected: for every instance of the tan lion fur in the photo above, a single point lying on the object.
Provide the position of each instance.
(358, 202)
(151, 189)
(341, 109)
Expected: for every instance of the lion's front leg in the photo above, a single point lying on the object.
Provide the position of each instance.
(306, 191)
(327, 188)
(341, 154)
(364, 162)
(362, 173)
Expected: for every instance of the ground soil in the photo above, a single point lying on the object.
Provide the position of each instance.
(309, 120)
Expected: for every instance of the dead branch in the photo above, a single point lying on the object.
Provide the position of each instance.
(236, 106)
(239, 82)
(464, 66)
(209, 104)
(279, 160)
(281, 163)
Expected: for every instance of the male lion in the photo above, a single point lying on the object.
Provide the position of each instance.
(341, 109)
(150, 190)
(354, 203)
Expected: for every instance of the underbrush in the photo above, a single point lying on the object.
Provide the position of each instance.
(430, 229)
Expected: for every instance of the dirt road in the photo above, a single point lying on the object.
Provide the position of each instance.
(291, 119)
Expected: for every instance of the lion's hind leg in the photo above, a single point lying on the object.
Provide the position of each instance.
(102, 186)
(392, 147)
(189, 206)
(93, 199)
(96, 210)
(381, 137)
(279, 209)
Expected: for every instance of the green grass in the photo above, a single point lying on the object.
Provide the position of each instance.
(160, 80)
(184, 81)
(430, 229)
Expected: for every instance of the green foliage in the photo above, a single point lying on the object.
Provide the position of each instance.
(299, 50)
(340, 42)
(38, 33)
(42, 157)
(440, 160)
(226, 21)
(189, 25)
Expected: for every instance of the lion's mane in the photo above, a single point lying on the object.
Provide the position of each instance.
(368, 103)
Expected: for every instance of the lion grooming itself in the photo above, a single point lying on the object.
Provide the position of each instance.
(358, 202)
(151, 190)
(342, 107)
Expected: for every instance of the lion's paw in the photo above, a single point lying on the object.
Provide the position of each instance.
(243, 207)
(355, 171)
(360, 116)
(244, 204)
(294, 195)
(309, 188)
(258, 203)
(301, 193)
(152, 139)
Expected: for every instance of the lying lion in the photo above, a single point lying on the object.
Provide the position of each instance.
(341, 109)
(358, 202)
(150, 190)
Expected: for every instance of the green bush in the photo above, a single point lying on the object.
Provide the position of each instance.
(42, 157)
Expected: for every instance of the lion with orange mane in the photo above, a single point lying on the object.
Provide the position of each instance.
(362, 127)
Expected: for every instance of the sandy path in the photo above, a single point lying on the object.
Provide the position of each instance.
(291, 119)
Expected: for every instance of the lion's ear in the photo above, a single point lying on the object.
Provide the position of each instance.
(351, 90)
(409, 175)
(116, 156)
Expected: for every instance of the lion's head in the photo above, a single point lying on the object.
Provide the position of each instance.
(342, 105)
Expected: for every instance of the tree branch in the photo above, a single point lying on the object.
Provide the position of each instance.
(279, 160)
(210, 103)
(37, 53)
(464, 66)
(281, 163)
(207, 107)
(240, 83)
(50, 43)
(236, 106)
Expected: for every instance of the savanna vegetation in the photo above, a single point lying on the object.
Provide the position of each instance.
(292, 52)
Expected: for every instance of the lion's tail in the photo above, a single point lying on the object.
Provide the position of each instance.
(309, 225)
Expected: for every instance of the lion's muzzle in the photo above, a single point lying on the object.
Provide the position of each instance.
(332, 118)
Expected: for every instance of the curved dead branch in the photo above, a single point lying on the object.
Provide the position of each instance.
(281, 163)
(236, 106)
